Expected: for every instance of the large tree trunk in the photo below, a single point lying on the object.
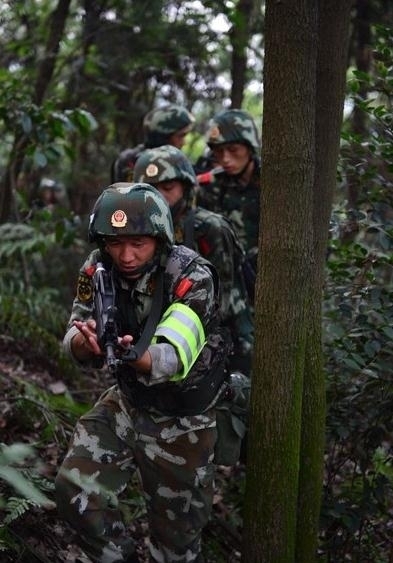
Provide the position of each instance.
(303, 100)
(283, 288)
(331, 73)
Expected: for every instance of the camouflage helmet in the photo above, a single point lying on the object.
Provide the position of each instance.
(160, 123)
(131, 209)
(233, 126)
(163, 164)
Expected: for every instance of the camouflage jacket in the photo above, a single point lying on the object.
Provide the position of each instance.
(241, 204)
(133, 302)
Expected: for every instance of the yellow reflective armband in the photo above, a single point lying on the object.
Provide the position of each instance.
(181, 326)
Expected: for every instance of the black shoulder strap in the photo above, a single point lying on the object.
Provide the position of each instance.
(138, 349)
(189, 238)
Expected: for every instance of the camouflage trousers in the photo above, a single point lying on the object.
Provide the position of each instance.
(174, 459)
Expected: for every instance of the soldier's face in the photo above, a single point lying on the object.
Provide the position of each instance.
(172, 191)
(131, 252)
(178, 139)
(233, 157)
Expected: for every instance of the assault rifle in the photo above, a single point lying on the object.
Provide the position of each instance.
(105, 314)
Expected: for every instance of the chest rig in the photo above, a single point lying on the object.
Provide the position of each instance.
(198, 390)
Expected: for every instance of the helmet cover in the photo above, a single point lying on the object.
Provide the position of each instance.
(136, 209)
(233, 126)
(163, 164)
(160, 123)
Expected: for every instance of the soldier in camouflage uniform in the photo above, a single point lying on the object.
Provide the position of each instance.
(235, 191)
(167, 125)
(210, 234)
(160, 416)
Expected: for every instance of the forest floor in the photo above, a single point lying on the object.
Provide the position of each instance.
(30, 395)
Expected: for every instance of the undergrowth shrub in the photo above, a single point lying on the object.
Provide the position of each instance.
(37, 264)
(358, 490)
(26, 479)
(357, 506)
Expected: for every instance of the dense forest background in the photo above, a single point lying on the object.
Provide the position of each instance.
(76, 81)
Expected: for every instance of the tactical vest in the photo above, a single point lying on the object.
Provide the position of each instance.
(201, 387)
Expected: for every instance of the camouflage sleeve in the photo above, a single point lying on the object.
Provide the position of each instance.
(82, 307)
(200, 295)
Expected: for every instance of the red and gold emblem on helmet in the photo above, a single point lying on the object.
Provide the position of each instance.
(151, 170)
(214, 132)
(119, 218)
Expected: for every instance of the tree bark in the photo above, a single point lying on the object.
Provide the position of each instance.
(47, 66)
(304, 78)
(283, 287)
(240, 36)
(333, 39)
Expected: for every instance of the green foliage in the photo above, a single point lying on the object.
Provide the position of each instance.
(358, 311)
(52, 417)
(34, 300)
(52, 414)
(20, 472)
(368, 156)
(11, 460)
(16, 507)
(358, 320)
(48, 132)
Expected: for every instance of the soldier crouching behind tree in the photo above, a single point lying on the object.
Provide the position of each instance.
(160, 416)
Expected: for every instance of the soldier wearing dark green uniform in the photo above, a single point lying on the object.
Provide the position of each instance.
(210, 234)
(160, 416)
(166, 125)
(235, 191)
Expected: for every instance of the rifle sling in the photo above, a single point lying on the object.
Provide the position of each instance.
(138, 349)
(188, 235)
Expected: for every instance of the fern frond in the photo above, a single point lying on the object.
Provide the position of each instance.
(39, 481)
(16, 507)
(18, 238)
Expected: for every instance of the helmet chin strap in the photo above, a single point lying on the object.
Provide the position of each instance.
(178, 208)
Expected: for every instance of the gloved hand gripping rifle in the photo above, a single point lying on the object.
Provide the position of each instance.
(105, 314)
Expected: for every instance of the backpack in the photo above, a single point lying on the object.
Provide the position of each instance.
(245, 265)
